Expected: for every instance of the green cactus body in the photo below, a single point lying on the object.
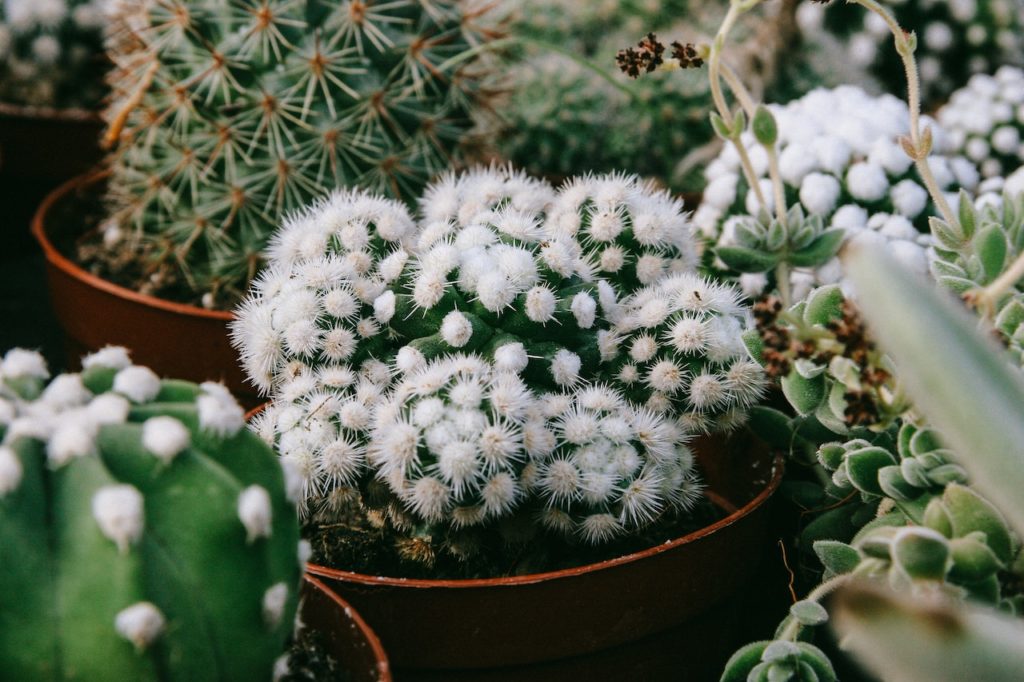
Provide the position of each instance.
(51, 53)
(228, 115)
(146, 533)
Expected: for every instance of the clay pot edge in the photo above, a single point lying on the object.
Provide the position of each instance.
(511, 581)
(68, 267)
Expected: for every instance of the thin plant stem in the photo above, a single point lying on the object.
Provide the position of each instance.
(920, 155)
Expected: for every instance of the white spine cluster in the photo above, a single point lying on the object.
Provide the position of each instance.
(684, 353)
(839, 154)
(118, 511)
(614, 467)
(325, 289)
(628, 229)
(450, 444)
(985, 121)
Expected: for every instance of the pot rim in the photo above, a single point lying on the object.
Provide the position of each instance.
(383, 664)
(71, 269)
(533, 578)
(33, 111)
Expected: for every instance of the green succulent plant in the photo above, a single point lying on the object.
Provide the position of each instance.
(226, 116)
(145, 533)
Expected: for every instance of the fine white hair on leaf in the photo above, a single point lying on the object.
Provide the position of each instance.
(118, 511)
(165, 437)
(141, 623)
(139, 384)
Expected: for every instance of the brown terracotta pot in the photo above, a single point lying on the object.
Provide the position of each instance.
(173, 339)
(347, 637)
(39, 149)
(654, 614)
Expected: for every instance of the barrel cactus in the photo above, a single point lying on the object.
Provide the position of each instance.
(985, 120)
(225, 117)
(51, 53)
(145, 533)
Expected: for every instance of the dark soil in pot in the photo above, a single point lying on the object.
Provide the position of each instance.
(661, 613)
(173, 339)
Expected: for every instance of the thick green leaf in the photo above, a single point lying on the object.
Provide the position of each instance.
(824, 305)
(922, 552)
(805, 395)
(746, 260)
(863, 466)
(771, 426)
(969, 391)
(836, 556)
(898, 639)
(809, 613)
(819, 251)
(990, 245)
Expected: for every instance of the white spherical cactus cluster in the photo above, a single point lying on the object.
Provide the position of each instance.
(103, 462)
(450, 441)
(985, 120)
(50, 52)
(629, 231)
(839, 157)
(606, 466)
(684, 354)
(317, 305)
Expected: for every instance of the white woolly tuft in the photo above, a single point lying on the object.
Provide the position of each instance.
(565, 368)
(511, 357)
(219, 414)
(255, 513)
(274, 601)
(165, 437)
(139, 384)
(19, 363)
(66, 390)
(118, 511)
(141, 624)
(456, 329)
(112, 357)
(108, 408)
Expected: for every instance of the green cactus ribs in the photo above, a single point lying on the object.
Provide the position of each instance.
(226, 116)
(145, 534)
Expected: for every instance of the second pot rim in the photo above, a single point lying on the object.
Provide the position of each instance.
(765, 493)
(72, 269)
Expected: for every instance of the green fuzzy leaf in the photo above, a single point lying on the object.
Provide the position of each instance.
(834, 524)
(1010, 317)
(755, 345)
(831, 455)
(824, 304)
(900, 639)
(837, 557)
(973, 560)
(937, 518)
(772, 426)
(969, 391)
(719, 126)
(862, 466)
(743, 661)
(809, 613)
(805, 395)
(745, 259)
(922, 553)
(990, 245)
(763, 125)
(969, 512)
(968, 215)
(891, 480)
(819, 251)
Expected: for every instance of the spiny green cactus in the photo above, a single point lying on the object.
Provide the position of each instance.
(144, 533)
(51, 53)
(227, 115)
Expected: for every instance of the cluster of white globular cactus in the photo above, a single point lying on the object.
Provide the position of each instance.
(683, 353)
(985, 120)
(839, 157)
(51, 52)
(456, 358)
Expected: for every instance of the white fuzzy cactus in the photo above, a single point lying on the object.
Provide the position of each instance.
(985, 120)
(450, 444)
(840, 159)
(317, 302)
(609, 467)
(630, 232)
(683, 354)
